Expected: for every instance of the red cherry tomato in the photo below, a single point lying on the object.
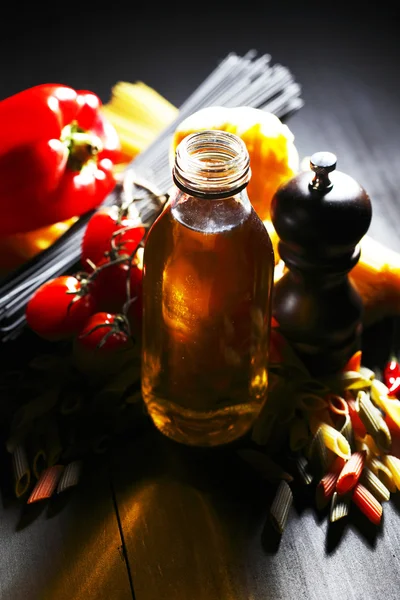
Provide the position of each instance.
(104, 332)
(111, 284)
(103, 225)
(60, 307)
(104, 345)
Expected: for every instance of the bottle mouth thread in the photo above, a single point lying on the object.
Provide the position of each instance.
(211, 164)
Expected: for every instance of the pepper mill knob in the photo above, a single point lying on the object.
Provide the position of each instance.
(322, 163)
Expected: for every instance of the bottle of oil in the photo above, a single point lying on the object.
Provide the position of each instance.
(207, 286)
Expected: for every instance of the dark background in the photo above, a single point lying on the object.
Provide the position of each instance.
(341, 55)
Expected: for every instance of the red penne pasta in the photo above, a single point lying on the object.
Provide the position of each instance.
(367, 503)
(354, 362)
(350, 474)
(47, 484)
(337, 404)
(327, 484)
(358, 425)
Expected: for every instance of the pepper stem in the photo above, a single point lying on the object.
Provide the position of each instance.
(83, 146)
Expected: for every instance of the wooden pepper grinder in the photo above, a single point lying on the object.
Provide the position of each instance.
(320, 220)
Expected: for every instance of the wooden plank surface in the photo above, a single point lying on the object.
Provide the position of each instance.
(67, 548)
(196, 528)
(194, 522)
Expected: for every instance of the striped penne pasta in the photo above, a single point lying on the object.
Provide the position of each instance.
(70, 476)
(319, 455)
(383, 472)
(335, 441)
(393, 464)
(367, 373)
(367, 503)
(351, 472)
(47, 484)
(340, 506)
(390, 407)
(354, 380)
(327, 484)
(373, 421)
(280, 506)
(346, 429)
(22, 473)
(303, 469)
(375, 485)
(378, 390)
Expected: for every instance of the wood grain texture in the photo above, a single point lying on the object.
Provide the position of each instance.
(194, 523)
(68, 548)
(196, 528)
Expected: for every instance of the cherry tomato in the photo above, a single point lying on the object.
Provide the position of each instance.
(103, 225)
(60, 307)
(111, 284)
(104, 344)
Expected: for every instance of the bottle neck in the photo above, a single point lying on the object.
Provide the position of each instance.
(211, 165)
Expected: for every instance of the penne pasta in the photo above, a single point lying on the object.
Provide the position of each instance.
(382, 472)
(327, 484)
(393, 464)
(70, 476)
(378, 390)
(299, 434)
(391, 408)
(375, 485)
(280, 506)
(371, 445)
(351, 472)
(354, 362)
(335, 441)
(319, 455)
(354, 380)
(303, 469)
(337, 405)
(47, 484)
(340, 507)
(358, 426)
(373, 421)
(367, 503)
(367, 373)
(347, 431)
(22, 473)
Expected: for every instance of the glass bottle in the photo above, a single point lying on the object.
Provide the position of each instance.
(207, 284)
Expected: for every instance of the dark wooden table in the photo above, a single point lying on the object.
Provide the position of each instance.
(158, 521)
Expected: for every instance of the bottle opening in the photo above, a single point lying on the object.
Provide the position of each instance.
(212, 164)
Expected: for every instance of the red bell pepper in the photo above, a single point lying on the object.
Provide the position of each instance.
(57, 153)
